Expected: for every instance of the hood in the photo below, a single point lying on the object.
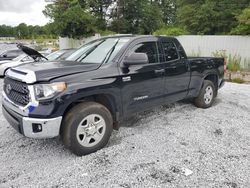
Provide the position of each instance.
(30, 52)
(45, 71)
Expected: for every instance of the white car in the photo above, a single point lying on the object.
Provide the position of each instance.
(19, 60)
(30, 55)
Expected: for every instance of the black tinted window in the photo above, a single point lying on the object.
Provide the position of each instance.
(150, 49)
(170, 51)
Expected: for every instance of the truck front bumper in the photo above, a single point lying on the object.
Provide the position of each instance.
(33, 127)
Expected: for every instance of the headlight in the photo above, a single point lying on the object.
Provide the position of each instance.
(47, 91)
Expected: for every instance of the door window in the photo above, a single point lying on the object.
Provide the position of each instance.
(170, 51)
(148, 48)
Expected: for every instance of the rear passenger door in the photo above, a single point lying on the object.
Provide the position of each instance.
(177, 75)
(143, 85)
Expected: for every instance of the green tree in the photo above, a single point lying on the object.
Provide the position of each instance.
(137, 17)
(132, 12)
(99, 9)
(209, 16)
(152, 18)
(119, 25)
(168, 8)
(244, 23)
(6, 31)
(170, 31)
(22, 31)
(71, 18)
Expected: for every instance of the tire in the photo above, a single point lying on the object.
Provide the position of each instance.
(87, 128)
(206, 96)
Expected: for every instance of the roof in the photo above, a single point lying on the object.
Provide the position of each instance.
(135, 36)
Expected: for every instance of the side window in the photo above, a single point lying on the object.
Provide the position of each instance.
(10, 54)
(13, 53)
(170, 51)
(149, 48)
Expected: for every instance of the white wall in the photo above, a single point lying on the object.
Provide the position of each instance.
(206, 45)
(66, 43)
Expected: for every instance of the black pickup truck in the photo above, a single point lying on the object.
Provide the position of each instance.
(84, 98)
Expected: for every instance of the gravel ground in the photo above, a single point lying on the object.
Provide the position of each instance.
(150, 150)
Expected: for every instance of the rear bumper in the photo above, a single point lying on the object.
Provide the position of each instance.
(33, 127)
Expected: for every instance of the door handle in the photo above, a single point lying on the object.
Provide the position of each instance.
(160, 71)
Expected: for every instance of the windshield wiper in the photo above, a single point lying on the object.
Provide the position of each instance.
(88, 52)
(110, 52)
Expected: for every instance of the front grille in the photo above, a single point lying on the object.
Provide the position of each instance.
(16, 91)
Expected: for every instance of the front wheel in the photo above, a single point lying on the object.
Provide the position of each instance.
(206, 96)
(87, 128)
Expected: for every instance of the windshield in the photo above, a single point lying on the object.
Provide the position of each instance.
(66, 54)
(55, 55)
(99, 51)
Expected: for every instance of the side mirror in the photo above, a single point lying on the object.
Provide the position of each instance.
(136, 59)
(4, 55)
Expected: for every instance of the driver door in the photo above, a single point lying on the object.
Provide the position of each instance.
(142, 85)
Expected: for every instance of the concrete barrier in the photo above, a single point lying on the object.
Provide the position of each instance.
(196, 45)
(66, 43)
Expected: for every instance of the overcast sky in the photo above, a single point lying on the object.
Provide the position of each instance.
(14, 12)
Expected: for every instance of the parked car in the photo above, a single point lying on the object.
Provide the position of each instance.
(29, 55)
(10, 54)
(21, 59)
(60, 54)
(85, 97)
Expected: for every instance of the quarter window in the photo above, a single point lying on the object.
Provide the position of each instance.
(170, 51)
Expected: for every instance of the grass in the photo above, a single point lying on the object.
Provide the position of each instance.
(238, 80)
(234, 63)
(246, 63)
(220, 53)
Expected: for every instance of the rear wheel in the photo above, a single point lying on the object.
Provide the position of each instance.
(206, 96)
(87, 128)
